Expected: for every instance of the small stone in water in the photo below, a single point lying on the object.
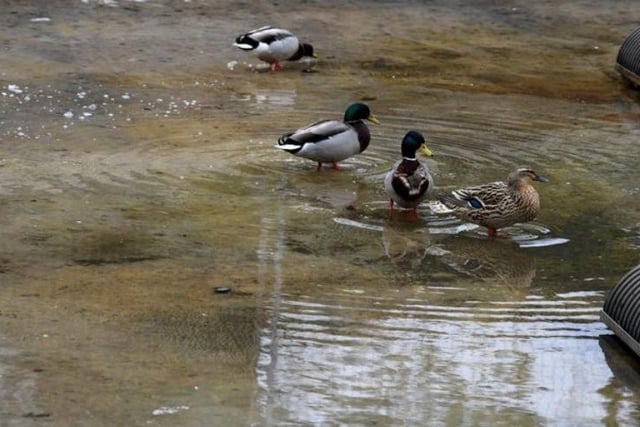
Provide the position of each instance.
(68, 114)
(14, 89)
(222, 289)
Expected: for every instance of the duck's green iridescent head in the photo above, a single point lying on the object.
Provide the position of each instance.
(414, 142)
(307, 50)
(359, 111)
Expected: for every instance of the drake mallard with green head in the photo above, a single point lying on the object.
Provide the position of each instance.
(331, 141)
(273, 45)
(409, 182)
(497, 204)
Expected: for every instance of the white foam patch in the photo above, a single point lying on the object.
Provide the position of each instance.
(541, 243)
(169, 410)
(352, 223)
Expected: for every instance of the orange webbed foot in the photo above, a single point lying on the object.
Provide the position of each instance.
(275, 66)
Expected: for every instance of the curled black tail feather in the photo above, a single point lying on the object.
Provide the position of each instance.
(284, 139)
(246, 40)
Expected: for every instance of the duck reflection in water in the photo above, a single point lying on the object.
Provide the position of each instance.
(502, 261)
(406, 243)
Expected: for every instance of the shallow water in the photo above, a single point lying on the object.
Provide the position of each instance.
(138, 174)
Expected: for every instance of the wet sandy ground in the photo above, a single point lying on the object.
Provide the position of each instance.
(137, 174)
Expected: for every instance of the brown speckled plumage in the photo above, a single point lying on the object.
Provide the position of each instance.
(497, 204)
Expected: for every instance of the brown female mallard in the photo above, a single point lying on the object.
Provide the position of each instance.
(497, 204)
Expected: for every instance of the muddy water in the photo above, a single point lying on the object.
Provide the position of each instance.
(137, 174)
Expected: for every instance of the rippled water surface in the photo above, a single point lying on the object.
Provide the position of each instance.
(138, 175)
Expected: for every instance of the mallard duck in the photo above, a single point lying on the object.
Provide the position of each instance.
(408, 183)
(497, 204)
(273, 45)
(331, 141)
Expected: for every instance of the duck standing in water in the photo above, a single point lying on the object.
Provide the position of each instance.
(331, 141)
(409, 182)
(273, 45)
(497, 204)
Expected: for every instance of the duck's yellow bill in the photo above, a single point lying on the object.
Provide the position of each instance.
(373, 119)
(425, 150)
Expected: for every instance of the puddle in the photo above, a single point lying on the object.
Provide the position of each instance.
(138, 176)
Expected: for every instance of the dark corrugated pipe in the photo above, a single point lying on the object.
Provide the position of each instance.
(621, 311)
(628, 60)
